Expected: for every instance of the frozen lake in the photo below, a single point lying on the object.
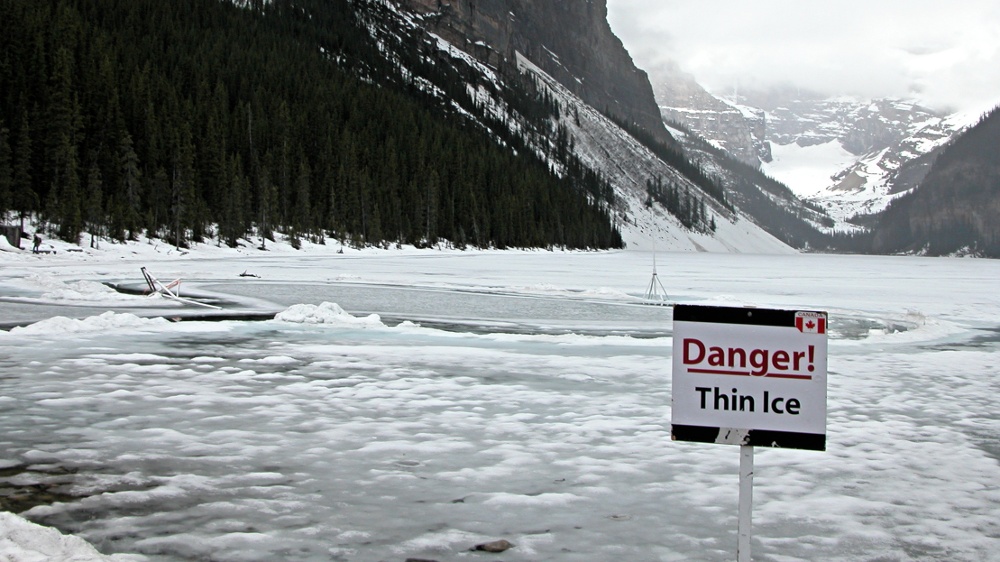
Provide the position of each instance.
(518, 396)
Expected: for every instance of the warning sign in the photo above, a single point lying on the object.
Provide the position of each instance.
(749, 376)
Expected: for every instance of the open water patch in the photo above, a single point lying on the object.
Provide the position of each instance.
(859, 327)
(23, 487)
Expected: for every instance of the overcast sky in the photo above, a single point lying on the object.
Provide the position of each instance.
(946, 54)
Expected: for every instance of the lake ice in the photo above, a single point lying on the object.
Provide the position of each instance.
(523, 396)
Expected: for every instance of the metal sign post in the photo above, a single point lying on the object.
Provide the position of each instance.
(746, 504)
(749, 377)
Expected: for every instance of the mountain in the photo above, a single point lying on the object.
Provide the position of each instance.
(846, 156)
(682, 200)
(201, 119)
(492, 124)
(741, 131)
(886, 172)
(954, 209)
(570, 41)
(862, 153)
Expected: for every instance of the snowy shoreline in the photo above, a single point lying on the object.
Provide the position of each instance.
(24, 541)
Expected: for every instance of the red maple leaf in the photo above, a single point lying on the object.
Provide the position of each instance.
(810, 324)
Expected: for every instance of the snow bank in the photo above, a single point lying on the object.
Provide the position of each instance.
(5, 246)
(24, 541)
(90, 291)
(96, 324)
(326, 313)
(83, 291)
(46, 288)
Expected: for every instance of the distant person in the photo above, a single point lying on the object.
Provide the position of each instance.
(38, 243)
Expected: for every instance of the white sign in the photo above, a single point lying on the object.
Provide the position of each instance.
(749, 376)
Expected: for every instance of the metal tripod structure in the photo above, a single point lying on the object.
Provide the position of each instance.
(655, 291)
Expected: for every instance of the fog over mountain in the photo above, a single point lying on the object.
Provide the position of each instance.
(945, 55)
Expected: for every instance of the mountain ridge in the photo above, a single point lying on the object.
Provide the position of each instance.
(603, 145)
(872, 150)
(268, 116)
(357, 120)
(953, 210)
(570, 41)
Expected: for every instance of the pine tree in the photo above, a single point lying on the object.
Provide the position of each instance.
(283, 162)
(94, 204)
(129, 189)
(302, 223)
(160, 201)
(231, 224)
(431, 207)
(186, 210)
(63, 203)
(214, 162)
(6, 171)
(268, 202)
(24, 198)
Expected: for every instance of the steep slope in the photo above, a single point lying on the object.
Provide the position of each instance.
(954, 209)
(570, 41)
(126, 117)
(729, 143)
(769, 203)
(573, 136)
(631, 167)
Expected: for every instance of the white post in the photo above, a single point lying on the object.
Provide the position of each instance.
(746, 500)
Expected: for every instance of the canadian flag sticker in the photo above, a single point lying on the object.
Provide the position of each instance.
(811, 322)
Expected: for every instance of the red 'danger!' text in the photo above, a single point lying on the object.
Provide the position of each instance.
(714, 360)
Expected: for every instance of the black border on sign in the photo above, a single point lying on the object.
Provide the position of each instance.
(737, 315)
(755, 437)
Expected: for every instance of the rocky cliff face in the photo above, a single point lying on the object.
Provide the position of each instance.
(861, 126)
(740, 131)
(570, 41)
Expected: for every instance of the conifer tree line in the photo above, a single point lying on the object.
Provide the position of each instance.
(193, 119)
(690, 210)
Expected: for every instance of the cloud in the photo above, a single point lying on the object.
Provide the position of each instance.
(945, 54)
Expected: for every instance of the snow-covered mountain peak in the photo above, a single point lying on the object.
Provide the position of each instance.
(881, 175)
(848, 155)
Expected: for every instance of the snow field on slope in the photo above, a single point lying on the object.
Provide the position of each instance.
(807, 170)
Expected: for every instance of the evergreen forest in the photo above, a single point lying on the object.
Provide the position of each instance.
(197, 120)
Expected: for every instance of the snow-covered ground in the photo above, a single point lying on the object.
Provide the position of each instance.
(465, 397)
